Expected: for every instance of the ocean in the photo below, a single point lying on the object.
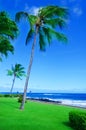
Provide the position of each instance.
(73, 99)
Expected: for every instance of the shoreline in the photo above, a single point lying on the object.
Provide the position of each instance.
(47, 101)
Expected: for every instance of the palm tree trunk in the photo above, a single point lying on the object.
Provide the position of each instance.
(29, 70)
(12, 85)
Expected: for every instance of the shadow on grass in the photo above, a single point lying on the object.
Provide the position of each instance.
(67, 124)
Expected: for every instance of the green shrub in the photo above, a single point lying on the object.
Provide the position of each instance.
(15, 95)
(11, 95)
(77, 120)
(20, 98)
(7, 95)
(1, 95)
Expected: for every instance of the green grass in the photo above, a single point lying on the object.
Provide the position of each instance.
(35, 116)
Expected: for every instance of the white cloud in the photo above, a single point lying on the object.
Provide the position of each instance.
(33, 10)
(78, 11)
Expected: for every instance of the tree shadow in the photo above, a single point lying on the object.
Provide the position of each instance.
(67, 124)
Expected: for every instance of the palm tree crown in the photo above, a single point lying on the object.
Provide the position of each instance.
(16, 71)
(8, 30)
(45, 22)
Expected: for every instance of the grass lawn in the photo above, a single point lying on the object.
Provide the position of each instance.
(35, 116)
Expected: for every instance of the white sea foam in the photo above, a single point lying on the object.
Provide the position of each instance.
(79, 103)
(50, 94)
(47, 94)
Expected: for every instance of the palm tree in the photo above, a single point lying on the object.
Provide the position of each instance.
(8, 30)
(44, 25)
(16, 71)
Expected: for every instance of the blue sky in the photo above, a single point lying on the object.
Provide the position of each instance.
(62, 68)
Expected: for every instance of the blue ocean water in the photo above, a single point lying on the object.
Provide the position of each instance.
(69, 96)
(72, 99)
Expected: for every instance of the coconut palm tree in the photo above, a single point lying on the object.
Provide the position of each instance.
(16, 71)
(8, 31)
(44, 26)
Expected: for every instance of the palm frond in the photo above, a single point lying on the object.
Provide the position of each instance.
(59, 22)
(53, 11)
(59, 36)
(47, 34)
(32, 20)
(19, 71)
(20, 74)
(20, 15)
(8, 33)
(29, 35)
(9, 72)
(42, 42)
(7, 26)
(18, 67)
(5, 46)
(0, 59)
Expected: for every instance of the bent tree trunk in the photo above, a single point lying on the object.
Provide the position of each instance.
(28, 71)
(12, 85)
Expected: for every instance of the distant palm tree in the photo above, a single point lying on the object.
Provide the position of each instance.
(16, 71)
(8, 30)
(43, 25)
